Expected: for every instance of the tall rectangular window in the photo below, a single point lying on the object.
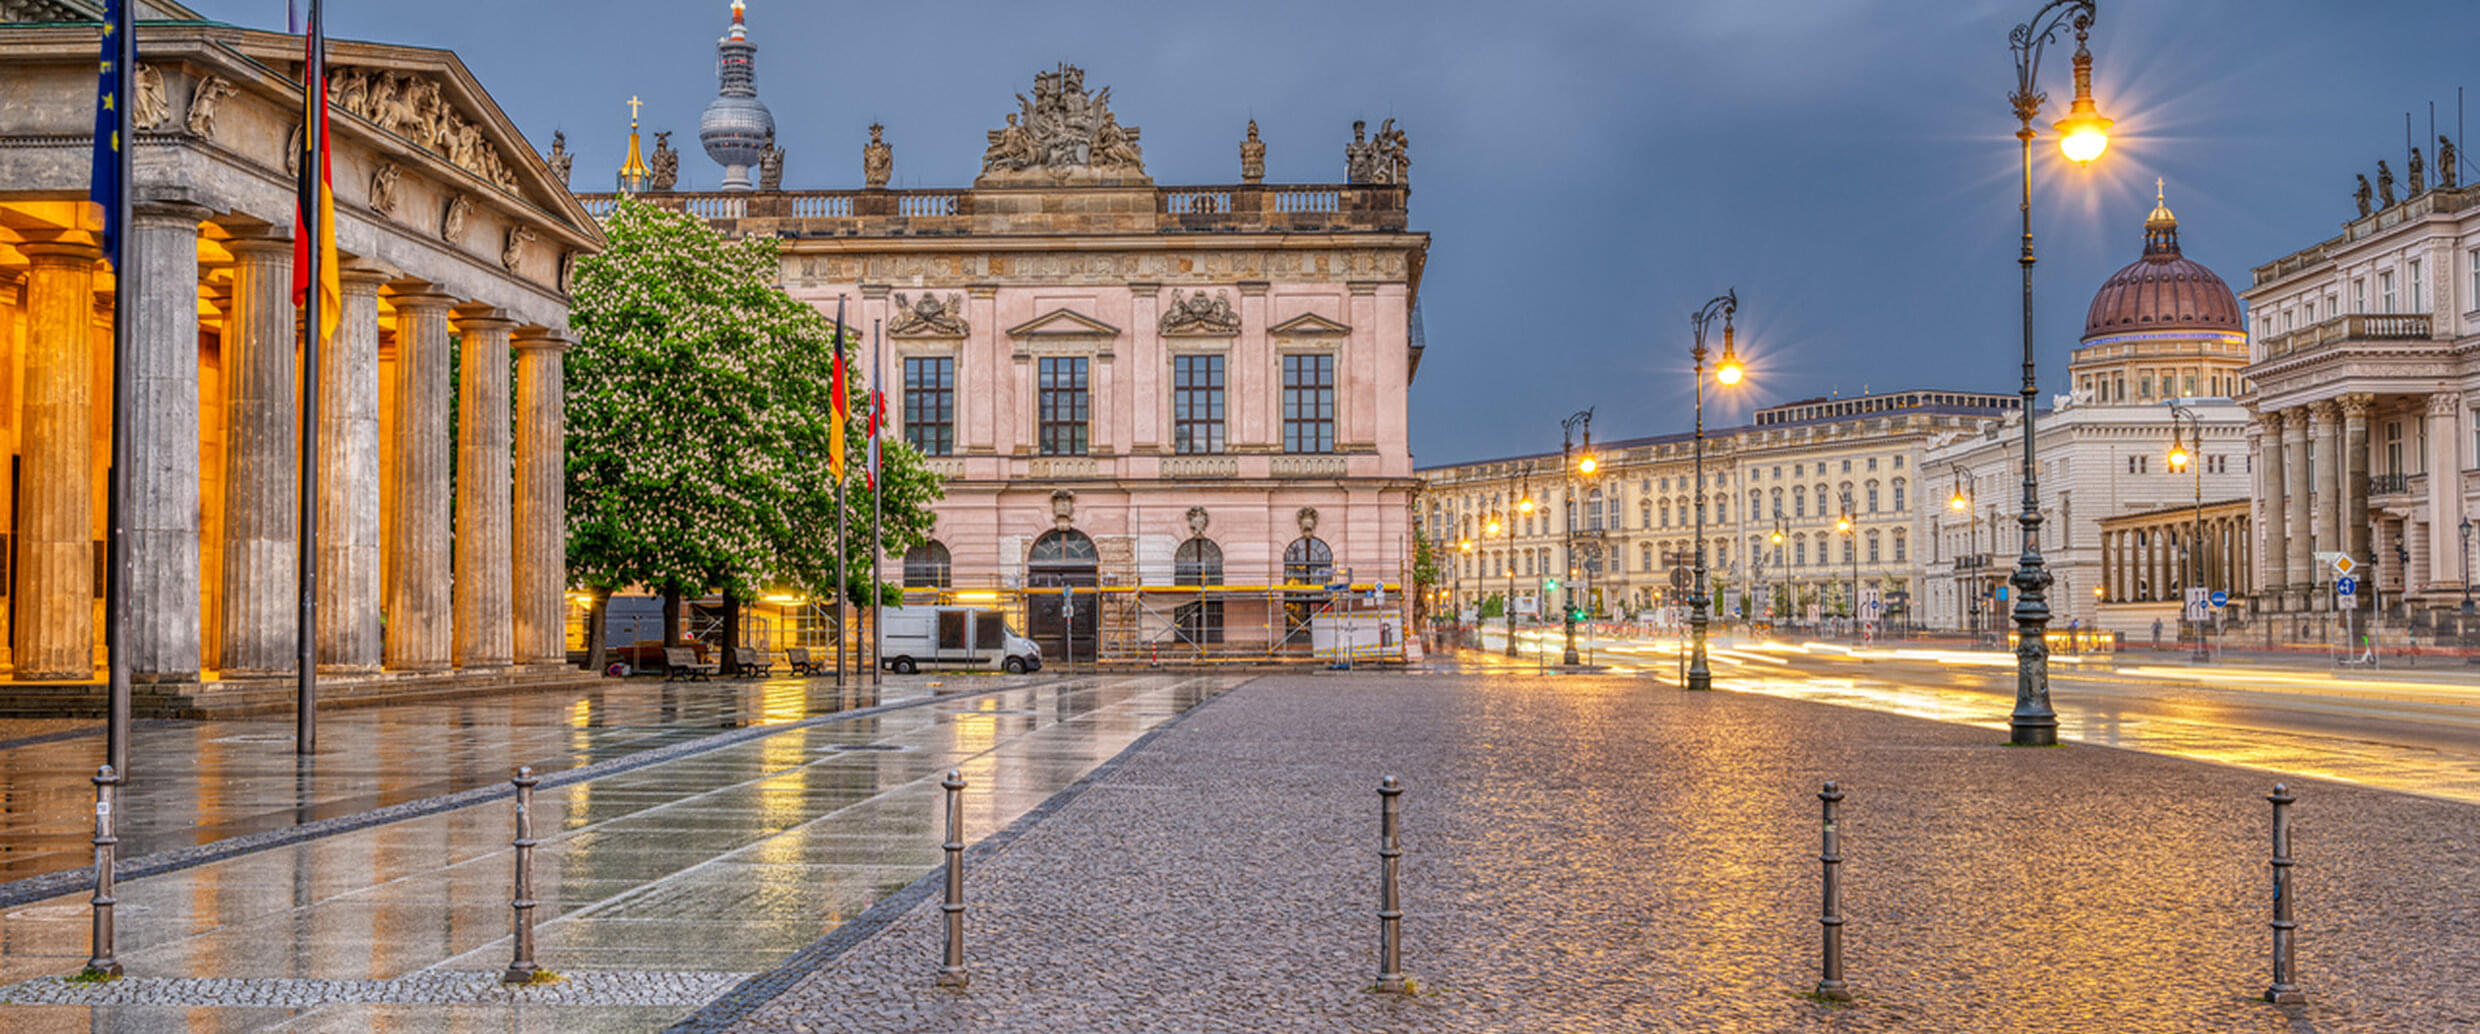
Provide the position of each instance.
(2419, 288)
(1308, 403)
(1197, 403)
(2473, 302)
(930, 405)
(2385, 291)
(1065, 406)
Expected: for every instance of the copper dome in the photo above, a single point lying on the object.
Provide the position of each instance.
(2163, 290)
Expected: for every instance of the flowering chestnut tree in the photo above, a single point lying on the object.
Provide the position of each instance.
(698, 420)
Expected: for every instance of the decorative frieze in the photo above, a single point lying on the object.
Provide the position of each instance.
(415, 108)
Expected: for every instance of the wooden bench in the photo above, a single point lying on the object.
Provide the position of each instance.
(680, 662)
(755, 663)
(797, 657)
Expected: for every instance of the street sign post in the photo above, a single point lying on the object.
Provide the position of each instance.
(2346, 586)
(2220, 598)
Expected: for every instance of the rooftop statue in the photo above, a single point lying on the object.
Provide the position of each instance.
(878, 161)
(2419, 174)
(2385, 185)
(665, 162)
(1252, 157)
(1063, 128)
(2362, 195)
(2447, 154)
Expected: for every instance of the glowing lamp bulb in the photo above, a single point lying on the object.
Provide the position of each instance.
(1526, 505)
(1493, 527)
(1585, 465)
(1729, 372)
(1957, 503)
(1842, 524)
(2178, 458)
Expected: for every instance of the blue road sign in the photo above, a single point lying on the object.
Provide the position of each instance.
(2346, 586)
(2220, 598)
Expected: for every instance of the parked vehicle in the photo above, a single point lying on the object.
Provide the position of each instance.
(911, 638)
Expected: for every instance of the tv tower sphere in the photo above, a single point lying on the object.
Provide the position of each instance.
(736, 127)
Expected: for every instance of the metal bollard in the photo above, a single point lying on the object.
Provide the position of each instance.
(1831, 986)
(103, 964)
(521, 969)
(2285, 989)
(951, 963)
(1390, 897)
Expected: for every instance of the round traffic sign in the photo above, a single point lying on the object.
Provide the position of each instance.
(2220, 598)
(2346, 586)
(1680, 579)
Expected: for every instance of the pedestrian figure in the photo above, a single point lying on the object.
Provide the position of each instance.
(2156, 633)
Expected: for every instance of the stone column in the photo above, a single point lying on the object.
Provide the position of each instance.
(2445, 491)
(541, 543)
(2269, 509)
(56, 546)
(161, 505)
(418, 623)
(2325, 434)
(2354, 473)
(261, 457)
(348, 632)
(2299, 569)
(485, 634)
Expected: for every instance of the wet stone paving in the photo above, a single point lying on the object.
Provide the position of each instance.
(1611, 854)
(662, 886)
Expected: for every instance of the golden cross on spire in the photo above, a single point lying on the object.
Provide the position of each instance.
(2157, 185)
(633, 105)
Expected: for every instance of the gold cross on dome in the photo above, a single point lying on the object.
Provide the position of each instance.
(633, 104)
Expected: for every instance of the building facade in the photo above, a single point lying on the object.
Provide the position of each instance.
(1126, 385)
(1807, 502)
(2366, 371)
(456, 239)
(2163, 349)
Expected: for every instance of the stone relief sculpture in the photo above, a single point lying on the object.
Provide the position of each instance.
(512, 248)
(1395, 149)
(149, 108)
(2385, 185)
(568, 269)
(383, 188)
(1064, 127)
(1198, 314)
(202, 102)
(771, 165)
(452, 221)
(559, 160)
(2418, 172)
(2362, 196)
(1252, 157)
(665, 165)
(1063, 507)
(2447, 155)
(929, 316)
(292, 152)
(1197, 520)
(1308, 518)
(878, 161)
(418, 110)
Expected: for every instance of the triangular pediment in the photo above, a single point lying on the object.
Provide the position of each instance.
(1308, 324)
(1063, 323)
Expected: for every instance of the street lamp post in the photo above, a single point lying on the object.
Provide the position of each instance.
(1776, 540)
(1567, 540)
(2187, 453)
(1467, 546)
(1728, 371)
(1965, 501)
(1851, 546)
(2083, 134)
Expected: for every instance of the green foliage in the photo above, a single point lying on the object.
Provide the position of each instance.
(698, 420)
(1494, 605)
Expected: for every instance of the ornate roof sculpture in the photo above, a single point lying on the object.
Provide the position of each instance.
(1064, 134)
(737, 129)
(412, 106)
(2164, 290)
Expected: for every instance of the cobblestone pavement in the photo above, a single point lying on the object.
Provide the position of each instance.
(195, 782)
(1605, 854)
(661, 886)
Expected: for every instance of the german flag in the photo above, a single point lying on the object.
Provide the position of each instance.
(839, 411)
(315, 226)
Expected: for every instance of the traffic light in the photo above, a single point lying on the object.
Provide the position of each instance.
(1551, 584)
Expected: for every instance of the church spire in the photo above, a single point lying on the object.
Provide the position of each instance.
(635, 177)
(2161, 229)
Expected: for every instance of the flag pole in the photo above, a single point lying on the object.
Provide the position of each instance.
(306, 686)
(878, 491)
(842, 572)
(124, 288)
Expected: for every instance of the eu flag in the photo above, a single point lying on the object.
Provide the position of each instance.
(110, 93)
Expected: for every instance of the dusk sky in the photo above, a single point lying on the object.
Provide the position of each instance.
(1591, 171)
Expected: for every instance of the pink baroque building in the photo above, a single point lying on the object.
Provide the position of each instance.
(1137, 389)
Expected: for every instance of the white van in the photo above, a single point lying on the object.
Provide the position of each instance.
(912, 638)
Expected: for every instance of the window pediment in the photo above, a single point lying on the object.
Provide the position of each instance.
(1063, 325)
(1309, 324)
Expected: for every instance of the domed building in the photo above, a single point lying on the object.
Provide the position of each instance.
(2132, 526)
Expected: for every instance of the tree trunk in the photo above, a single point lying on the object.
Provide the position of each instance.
(671, 616)
(597, 637)
(731, 662)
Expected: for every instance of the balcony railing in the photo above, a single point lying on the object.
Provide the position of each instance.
(2388, 484)
(1237, 208)
(2396, 327)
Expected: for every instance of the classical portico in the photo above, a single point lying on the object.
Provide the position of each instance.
(456, 241)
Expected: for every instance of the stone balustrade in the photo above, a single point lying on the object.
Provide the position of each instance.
(2358, 327)
(1202, 209)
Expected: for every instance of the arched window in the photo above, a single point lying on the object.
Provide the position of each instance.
(1799, 501)
(1307, 561)
(1900, 504)
(1666, 513)
(1873, 553)
(1722, 508)
(1644, 555)
(1900, 541)
(1849, 549)
(1198, 561)
(1063, 558)
(1778, 510)
(1872, 497)
(1593, 511)
(1799, 550)
(926, 566)
(1644, 514)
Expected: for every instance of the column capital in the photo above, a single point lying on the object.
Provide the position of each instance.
(259, 249)
(540, 339)
(361, 279)
(419, 295)
(1254, 288)
(168, 212)
(2444, 403)
(61, 252)
(2356, 406)
(480, 317)
(876, 290)
(2322, 412)
(981, 290)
